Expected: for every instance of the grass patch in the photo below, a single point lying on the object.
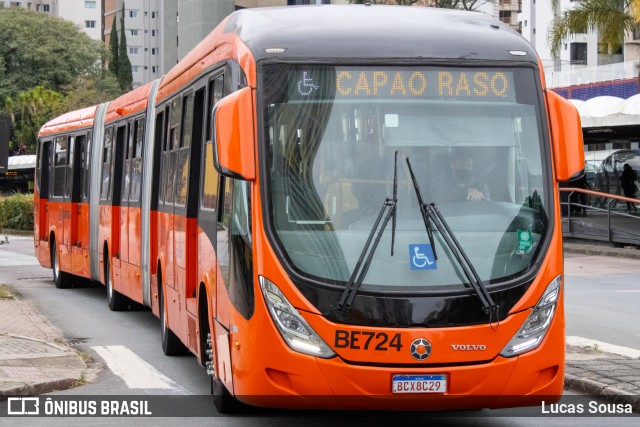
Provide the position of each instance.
(80, 381)
(7, 292)
(86, 357)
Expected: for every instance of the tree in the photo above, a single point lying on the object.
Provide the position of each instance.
(610, 18)
(39, 50)
(91, 90)
(29, 110)
(44, 59)
(114, 48)
(124, 65)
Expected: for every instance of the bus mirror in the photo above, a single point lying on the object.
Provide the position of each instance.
(566, 134)
(235, 135)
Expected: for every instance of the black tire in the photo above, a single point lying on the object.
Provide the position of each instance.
(224, 401)
(171, 344)
(115, 300)
(60, 278)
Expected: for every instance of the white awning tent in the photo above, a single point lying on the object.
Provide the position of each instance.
(21, 162)
(609, 111)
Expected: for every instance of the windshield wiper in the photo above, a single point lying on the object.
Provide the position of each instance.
(362, 266)
(424, 211)
(431, 214)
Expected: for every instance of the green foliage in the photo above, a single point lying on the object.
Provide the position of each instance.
(92, 90)
(16, 212)
(125, 77)
(47, 66)
(40, 50)
(610, 18)
(29, 110)
(113, 48)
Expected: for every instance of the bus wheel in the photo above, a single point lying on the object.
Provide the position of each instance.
(59, 277)
(171, 344)
(115, 300)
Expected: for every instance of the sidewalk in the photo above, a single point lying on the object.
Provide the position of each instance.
(35, 358)
(596, 371)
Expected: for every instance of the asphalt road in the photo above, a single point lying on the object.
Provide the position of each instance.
(602, 299)
(82, 314)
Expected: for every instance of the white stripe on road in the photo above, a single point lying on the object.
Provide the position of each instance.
(603, 347)
(135, 372)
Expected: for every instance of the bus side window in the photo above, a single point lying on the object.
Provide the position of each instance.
(215, 94)
(237, 216)
(128, 156)
(172, 145)
(136, 162)
(59, 165)
(210, 181)
(157, 185)
(182, 172)
(86, 167)
(71, 145)
(118, 156)
(43, 165)
(106, 164)
(79, 167)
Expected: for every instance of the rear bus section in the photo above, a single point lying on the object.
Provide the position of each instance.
(62, 195)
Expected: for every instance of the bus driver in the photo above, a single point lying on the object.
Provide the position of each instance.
(459, 183)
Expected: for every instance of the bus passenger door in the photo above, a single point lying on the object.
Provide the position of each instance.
(166, 286)
(123, 230)
(115, 249)
(41, 207)
(80, 208)
(184, 235)
(207, 225)
(59, 207)
(133, 227)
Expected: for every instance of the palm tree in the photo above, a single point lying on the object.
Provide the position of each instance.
(610, 18)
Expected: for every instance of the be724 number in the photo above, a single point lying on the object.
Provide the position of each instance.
(364, 340)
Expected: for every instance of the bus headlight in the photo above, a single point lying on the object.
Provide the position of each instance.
(294, 329)
(535, 327)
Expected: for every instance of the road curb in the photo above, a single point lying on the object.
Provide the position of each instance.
(603, 391)
(600, 250)
(36, 389)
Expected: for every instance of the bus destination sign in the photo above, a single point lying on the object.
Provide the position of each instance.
(406, 83)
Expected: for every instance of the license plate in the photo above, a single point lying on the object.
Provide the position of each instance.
(419, 383)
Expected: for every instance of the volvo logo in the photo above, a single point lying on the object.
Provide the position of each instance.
(468, 347)
(420, 349)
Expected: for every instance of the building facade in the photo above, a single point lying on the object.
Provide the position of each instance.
(86, 14)
(160, 32)
(579, 51)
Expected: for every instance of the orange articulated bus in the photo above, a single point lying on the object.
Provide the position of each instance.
(332, 207)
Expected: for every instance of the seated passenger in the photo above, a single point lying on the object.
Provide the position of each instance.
(458, 183)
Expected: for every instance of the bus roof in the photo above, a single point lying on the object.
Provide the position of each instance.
(381, 32)
(77, 119)
(130, 103)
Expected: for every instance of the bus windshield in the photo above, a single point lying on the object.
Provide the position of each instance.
(474, 140)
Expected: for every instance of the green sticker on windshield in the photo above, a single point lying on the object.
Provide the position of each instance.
(524, 241)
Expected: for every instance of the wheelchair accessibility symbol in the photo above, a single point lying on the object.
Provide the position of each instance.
(421, 257)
